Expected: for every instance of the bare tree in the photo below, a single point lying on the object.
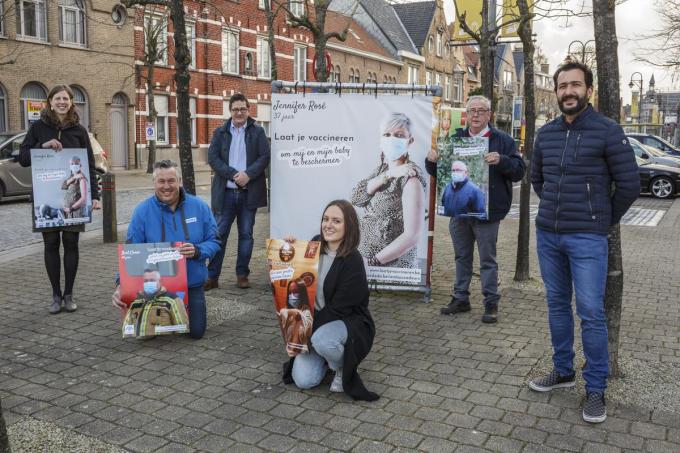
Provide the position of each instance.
(182, 76)
(525, 33)
(609, 104)
(316, 24)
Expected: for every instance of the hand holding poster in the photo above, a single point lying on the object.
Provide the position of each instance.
(293, 275)
(463, 177)
(153, 282)
(61, 188)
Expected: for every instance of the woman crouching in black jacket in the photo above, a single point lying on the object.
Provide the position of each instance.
(343, 328)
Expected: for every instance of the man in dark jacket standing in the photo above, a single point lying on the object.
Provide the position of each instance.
(576, 159)
(238, 154)
(505, 166)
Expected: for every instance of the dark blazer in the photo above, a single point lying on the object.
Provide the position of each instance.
(510, 169)
(257, 160)
(573, 168)
(345, 291)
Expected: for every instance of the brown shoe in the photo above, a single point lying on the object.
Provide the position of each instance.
(210, 283)
(242, 282)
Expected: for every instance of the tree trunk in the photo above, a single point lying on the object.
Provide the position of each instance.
(487, 53)
(676, 140)
(606, 48)
(320, 71)
(525, 32)
(271, 16)
(152, 117)
(182, 76)
(4, 439)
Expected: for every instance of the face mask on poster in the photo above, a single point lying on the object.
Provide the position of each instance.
(150, 287)
(294, 300)
(75, 168)
(457, 176)
(393, 147)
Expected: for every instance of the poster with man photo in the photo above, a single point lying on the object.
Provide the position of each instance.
(369, 150)
(293, 270)
(463, 178)
(61, 188)
(153, 282)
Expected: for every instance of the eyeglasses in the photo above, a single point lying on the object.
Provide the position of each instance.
(477, 111)
(241, 110)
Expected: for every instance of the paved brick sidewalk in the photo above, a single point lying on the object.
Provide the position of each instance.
(70, 383)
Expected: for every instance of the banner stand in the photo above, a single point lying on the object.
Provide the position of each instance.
(336, 89)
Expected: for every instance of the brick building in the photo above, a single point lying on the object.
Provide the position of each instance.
(86, 44)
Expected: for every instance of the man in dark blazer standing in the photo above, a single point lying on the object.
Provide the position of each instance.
(238, 154)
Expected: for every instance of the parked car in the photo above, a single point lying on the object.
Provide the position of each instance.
(656, 142)
(659, 180)
(653, 155)
(15, 180)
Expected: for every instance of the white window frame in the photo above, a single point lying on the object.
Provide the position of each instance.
(190, 28)
(40, 20)
(161, 115)
(437, 79)
(262, 4)
(163, 40)
(412, 74)
(264, 65)
(80, 31)
(2, 17)
(430, 44)
(447, 87)
(428, 78)
(264, 117)
(458, 90)
(230, 43)
(296, 7)
(192, 113)
(3, 108)
(300, 63)
(439, 44)
(507, 80)
(83, 108)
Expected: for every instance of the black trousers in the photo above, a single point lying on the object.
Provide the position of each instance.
(53, 240)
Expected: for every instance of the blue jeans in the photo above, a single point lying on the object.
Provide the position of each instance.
(580, 258)
(235, 207)
(328, 345)
(197, 315)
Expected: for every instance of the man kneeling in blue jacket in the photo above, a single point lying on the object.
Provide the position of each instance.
(172, 215)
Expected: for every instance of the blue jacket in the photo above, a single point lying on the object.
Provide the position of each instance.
(510, 169)
(257, 161)
(462, 199)
(573, 168)
(154, 221)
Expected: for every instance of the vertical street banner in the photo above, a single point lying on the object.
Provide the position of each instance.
(462, 176)
(293, 272)
(368, 149)
(472, 9)
(153, 283)
(61, 188)
(511, 18)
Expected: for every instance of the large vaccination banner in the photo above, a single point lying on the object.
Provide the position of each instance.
(367, 149)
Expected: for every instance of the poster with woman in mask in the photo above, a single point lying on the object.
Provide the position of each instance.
(61, 188)
(293, 275)
(153, 282)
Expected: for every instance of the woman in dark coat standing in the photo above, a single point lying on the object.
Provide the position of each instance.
(343, 328)
(58, 128)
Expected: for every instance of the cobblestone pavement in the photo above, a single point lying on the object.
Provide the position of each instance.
(70, 383)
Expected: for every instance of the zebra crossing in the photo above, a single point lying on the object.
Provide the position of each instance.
(635, 216)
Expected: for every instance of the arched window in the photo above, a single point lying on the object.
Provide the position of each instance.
(3, 110)
(82, 107)
(72, 28)
(33, 99)
(337, 74)
(351, 75)
(430, 44)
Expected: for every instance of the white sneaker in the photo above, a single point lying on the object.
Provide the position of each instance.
(336, 385)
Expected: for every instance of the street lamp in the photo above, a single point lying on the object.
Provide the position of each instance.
(584, 47)
(639, 82)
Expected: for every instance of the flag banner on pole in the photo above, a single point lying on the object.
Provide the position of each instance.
(473, 18)
(510, 12)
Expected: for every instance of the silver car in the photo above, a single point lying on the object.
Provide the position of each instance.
(15, 180)
(652, 155)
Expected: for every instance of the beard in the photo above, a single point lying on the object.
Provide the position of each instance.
(581, 103)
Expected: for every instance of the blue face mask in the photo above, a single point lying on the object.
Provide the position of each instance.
(393, 147)
(150, 287)
(75, 168)
(293, 301)
(457, 176)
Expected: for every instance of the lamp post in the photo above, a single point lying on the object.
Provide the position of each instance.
(584, 47)
(639, 82)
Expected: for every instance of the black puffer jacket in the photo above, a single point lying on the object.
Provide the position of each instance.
(572, 171)
(71, 135)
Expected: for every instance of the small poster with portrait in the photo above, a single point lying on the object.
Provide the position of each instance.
(463, 177)
(293, 268)
(61, 188)
(153, 283)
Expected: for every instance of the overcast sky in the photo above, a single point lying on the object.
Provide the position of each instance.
(632, 18)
